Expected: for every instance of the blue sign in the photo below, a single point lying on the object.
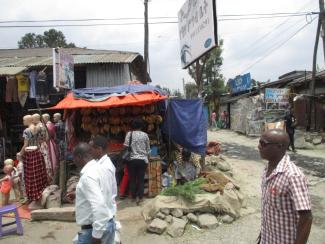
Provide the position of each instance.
(241, 83)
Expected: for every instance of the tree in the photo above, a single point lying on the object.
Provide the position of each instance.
(51, 38)
(207, 70)
(191, 90)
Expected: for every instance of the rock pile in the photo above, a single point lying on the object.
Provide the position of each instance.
(174, 221)
(309, 140)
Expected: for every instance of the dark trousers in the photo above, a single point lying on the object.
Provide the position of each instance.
(292, 139)
(137, 169)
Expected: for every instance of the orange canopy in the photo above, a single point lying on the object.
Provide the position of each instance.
(69, 102)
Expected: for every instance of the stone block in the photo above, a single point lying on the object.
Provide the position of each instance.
(177, 213)
(176, 229)
(58, 214)
(157, 226)
(208, 221)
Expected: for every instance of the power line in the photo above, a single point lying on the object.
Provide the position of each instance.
(130, 23)
(272, 49)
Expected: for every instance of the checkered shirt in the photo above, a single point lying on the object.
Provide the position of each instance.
(284, 193)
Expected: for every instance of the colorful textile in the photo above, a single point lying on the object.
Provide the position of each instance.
(6, 186)
(284, 193)
(35, 175)
(154, 173)
(32, 87)
(11, 90)
(23, 84)
(125, 182)
(53, 150)
(140, 145)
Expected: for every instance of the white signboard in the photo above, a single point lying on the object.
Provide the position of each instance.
(197, 29)
(63, 72)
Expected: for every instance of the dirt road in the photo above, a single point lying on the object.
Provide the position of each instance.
(241, 153)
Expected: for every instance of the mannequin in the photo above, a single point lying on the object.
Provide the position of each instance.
(42, 138)
(60, 135)
(35, 175)
(53, 151)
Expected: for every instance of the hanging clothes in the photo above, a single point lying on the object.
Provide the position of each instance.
(32, 84)
(23, 89)
(11, 90)
(53, 150)
(41, 88)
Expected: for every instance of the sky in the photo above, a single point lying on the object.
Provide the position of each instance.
(249, 45)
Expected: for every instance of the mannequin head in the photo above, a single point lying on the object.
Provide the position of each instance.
(46, 117)
(7, 169)
(27, 120)
(36, 119)
(56, 117)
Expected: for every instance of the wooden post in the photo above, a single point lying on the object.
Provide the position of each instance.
(62, 176)
(146, 40)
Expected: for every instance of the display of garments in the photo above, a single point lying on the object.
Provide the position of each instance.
(41, 88)
(22, 97)
(11, 90)
(60, 139)
(23, 83)
(6, 185)
(53, 150)
(35, 175)
(30, 137)
(32, 84)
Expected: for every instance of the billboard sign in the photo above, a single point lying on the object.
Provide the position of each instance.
(63, 72)
(276, 98)
(197, 22)
(240, 83)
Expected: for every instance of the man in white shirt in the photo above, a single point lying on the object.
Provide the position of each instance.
(95, 208)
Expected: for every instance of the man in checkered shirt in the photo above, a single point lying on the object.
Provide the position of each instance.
(286, 207)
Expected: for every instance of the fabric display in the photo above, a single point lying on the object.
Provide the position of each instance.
(23, 89)
(154, 173)
(11, 90)
(35, 174)
(32, 85)
(42, 95)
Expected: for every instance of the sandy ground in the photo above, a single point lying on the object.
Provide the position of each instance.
(241, 153)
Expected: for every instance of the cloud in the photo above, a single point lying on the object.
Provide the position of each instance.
(164, 45)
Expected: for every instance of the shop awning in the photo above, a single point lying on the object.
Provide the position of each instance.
(11, 70)
(70, 102)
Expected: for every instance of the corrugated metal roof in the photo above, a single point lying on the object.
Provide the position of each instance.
(43, 56)
(11, 70)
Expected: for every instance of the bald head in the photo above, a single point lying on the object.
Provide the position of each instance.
(277, 136)
(46, 117)
(82, 154)
(273, 144)
(57, 117)
(27, 120)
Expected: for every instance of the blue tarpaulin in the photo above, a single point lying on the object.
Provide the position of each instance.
(185, 122)
(102, 93)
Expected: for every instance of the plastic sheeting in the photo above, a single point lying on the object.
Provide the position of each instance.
(97, 94)
(185, 122)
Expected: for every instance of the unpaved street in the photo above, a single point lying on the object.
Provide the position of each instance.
(241, 152)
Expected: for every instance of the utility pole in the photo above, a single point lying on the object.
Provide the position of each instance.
(146, 40)
(320, 26)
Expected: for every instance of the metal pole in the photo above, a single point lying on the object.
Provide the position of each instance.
(146, 40)
(322, 18)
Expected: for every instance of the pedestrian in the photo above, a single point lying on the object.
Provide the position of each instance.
(223, 119)
(95, 205)
(137, 165)
(291, 123)
(214, 120)
(286, 207)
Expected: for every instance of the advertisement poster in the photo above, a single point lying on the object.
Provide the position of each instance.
(276, 98)
(197, 29)
(240, 83)
(63, 72)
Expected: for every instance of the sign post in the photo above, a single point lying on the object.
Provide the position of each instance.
(63, 72)
(277, 98)
(197, 20)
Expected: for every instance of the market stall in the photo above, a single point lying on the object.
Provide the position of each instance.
(109, 112)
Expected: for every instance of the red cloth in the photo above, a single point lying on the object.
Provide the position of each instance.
(5, 186)
(35, 175)
(213, 147)
(124, 182)
(69, 102)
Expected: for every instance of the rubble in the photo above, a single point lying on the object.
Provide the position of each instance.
(165, 211)
(160, 215)
(59, 214)
(177, 213)
(208, 221)
(192, 218)
(169, 219)
(227, 219)
(157, 226)
(176, 229)
(317, 140)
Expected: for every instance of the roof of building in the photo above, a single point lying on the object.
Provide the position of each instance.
(32, 57)
(11, 70)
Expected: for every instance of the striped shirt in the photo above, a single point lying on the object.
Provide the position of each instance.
(284, 193)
